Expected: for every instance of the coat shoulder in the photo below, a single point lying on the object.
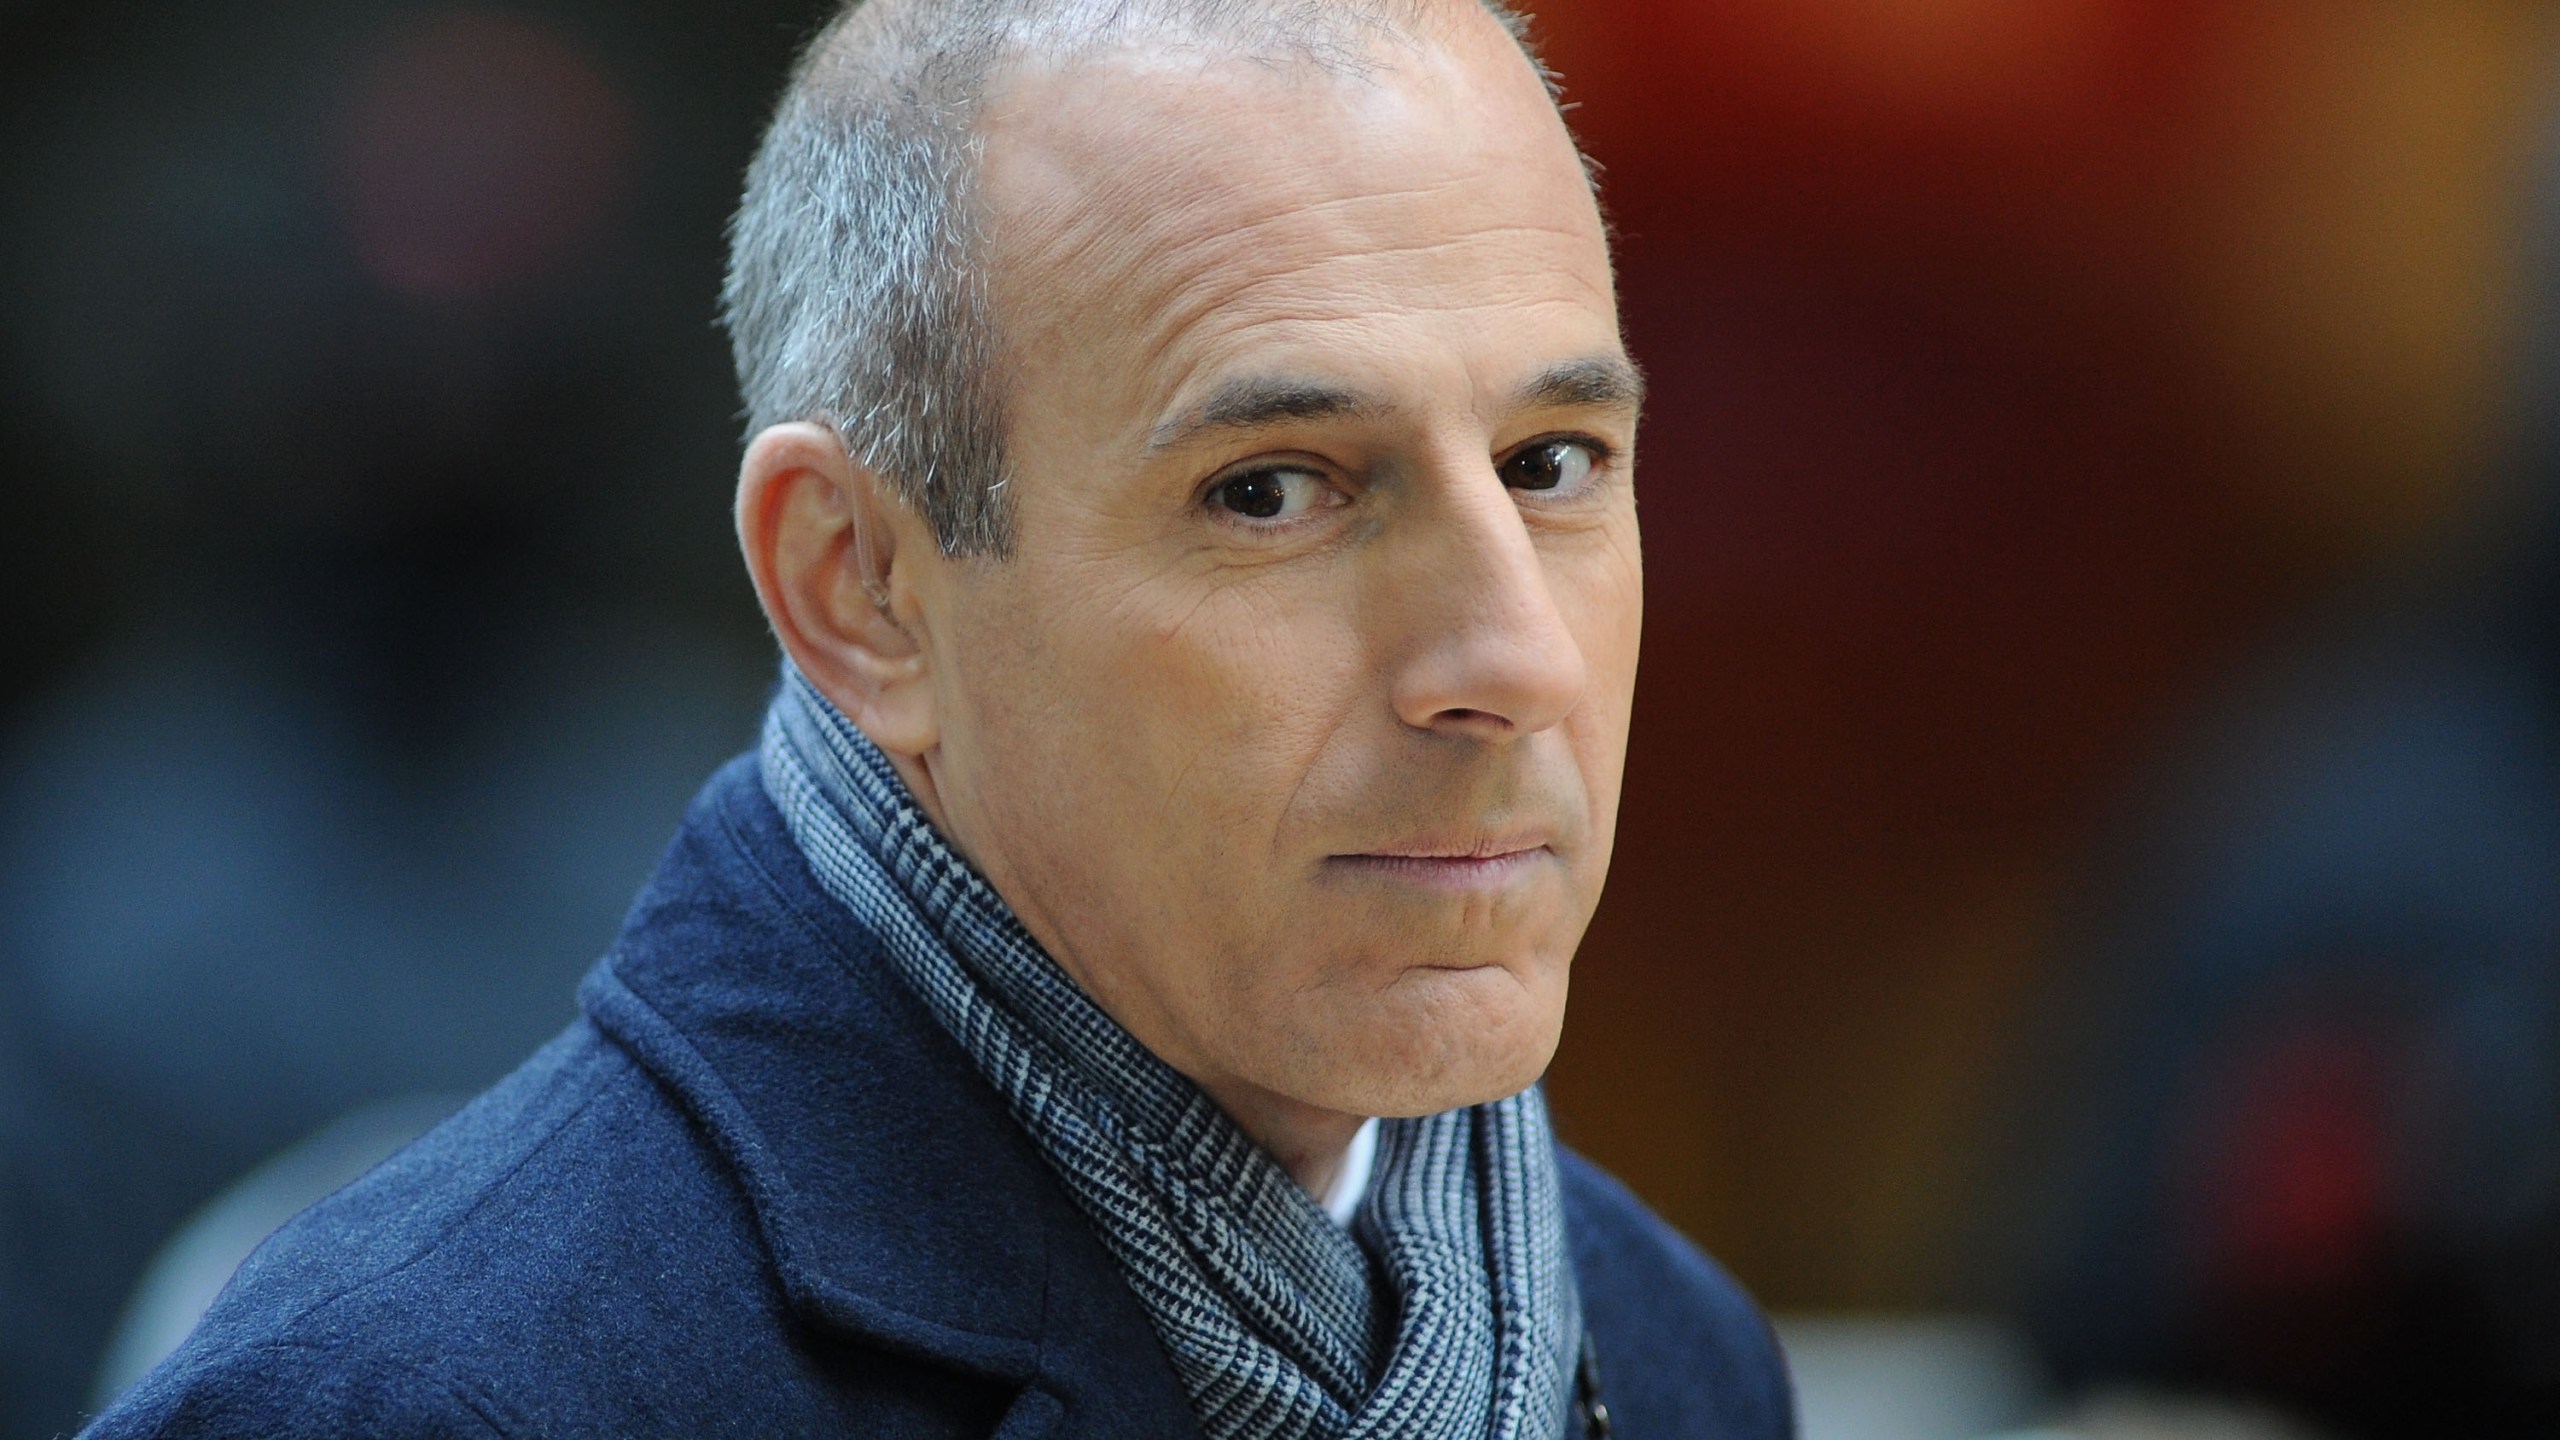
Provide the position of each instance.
(293, 1389)
(1681, 1349)
(562, 1216)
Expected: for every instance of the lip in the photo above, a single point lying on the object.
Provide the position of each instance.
(1462, 865)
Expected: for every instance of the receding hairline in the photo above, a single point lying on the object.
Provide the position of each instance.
(946, 55)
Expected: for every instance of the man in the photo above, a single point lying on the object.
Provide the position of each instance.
(1191, 486)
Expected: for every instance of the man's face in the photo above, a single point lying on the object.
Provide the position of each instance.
(1293, 726)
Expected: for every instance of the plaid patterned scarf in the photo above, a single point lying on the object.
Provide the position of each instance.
(1276, 1321)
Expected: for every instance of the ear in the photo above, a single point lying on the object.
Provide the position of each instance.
(834, 556)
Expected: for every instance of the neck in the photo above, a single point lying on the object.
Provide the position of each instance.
(1310, 1143)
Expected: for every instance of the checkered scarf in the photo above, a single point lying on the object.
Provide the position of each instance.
(1274, 1317)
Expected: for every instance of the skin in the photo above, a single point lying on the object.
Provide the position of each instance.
(1317, 803)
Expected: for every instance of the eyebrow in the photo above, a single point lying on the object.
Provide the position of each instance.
(1252, 402)
(1593, 382)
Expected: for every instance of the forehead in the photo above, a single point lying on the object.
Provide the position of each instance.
(1160, 217)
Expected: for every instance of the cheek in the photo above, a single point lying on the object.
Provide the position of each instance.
(1603, 592)
(1158, 741)
(1229, 699)
(1600, 584)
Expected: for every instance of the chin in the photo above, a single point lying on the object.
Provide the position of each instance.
(1440, 1040)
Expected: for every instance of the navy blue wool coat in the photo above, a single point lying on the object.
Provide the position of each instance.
(756, 1190)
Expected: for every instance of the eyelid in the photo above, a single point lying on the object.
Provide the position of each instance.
(1601, 450)
(1260, 465)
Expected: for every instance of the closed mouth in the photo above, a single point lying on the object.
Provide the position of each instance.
(1476, 868)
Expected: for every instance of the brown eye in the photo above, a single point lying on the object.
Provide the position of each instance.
(1549, 465)
(1270, 494)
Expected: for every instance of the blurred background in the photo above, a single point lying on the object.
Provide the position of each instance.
(2085, 941)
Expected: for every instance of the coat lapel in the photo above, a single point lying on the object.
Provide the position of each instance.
(897, 1197)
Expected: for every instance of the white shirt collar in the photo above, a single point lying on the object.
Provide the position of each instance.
(1351, 1182)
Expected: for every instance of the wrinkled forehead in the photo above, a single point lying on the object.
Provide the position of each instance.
(1144, 200)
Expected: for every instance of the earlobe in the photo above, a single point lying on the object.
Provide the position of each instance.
(824, 542)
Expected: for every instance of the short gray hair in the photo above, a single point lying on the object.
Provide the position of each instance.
(856, 295)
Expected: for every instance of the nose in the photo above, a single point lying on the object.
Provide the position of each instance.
(1487, 653)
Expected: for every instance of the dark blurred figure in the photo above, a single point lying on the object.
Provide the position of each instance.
(367, 445)
(2310, 1151)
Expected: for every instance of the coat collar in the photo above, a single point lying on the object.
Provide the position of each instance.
(896, 1195)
